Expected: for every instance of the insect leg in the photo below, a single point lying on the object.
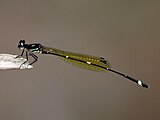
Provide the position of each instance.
(34, 57)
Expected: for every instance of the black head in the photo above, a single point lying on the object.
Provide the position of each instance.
(21, 44)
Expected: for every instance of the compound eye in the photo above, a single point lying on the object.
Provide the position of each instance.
(21, 44)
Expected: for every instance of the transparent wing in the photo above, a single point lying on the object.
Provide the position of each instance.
(80, 60)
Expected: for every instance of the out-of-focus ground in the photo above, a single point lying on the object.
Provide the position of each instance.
(127, 33)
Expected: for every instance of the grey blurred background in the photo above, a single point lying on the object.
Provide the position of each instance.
(125, 32)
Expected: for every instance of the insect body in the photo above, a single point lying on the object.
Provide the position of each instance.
(80, 60)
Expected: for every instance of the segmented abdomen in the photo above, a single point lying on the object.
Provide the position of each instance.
(80, 60)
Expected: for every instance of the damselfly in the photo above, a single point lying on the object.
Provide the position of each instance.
(80, 60)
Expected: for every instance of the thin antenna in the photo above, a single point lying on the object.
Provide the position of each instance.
(139, 82)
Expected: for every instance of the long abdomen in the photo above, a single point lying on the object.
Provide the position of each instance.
(80, 60)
